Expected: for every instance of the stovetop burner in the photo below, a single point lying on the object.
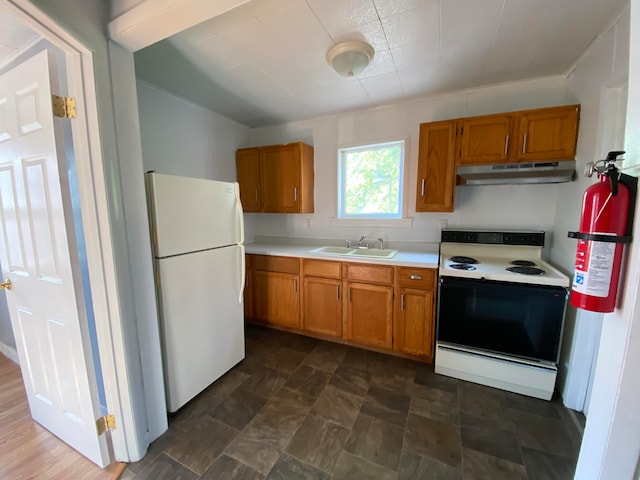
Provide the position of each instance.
(526, 270)
(523, 263)
(462, 266)
(464, 260)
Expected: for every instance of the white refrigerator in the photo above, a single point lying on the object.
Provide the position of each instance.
(197, 232)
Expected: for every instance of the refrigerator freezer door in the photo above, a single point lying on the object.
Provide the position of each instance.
(202, 320)
(192, 214)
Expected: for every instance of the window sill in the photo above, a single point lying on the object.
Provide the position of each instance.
(371, 222)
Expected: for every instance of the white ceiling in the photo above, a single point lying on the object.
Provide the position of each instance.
(264, 62)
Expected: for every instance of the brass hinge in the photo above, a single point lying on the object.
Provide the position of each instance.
(106, 424)
(64, 107)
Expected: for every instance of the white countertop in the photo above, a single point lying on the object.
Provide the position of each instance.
(422, 255)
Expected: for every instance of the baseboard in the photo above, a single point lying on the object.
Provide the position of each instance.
(9, 352)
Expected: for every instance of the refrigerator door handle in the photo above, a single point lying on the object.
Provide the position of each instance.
(239, 216)
(243, 273)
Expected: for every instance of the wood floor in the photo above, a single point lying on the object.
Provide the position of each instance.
(28, 451)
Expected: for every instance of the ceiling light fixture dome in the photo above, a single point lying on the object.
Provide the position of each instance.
(349, 59)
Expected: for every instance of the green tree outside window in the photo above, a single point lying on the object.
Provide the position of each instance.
(371, 181)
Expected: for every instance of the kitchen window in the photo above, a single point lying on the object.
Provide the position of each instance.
(370, 179)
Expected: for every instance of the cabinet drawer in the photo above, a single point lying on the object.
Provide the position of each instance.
(424, 278)
(367, 273)
(321, 268)
(276, 264)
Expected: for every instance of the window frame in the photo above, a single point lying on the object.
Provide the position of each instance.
(342, 216)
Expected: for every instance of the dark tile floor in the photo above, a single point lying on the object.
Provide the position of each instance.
(300, 408)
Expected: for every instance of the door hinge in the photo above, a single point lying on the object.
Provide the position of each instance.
(64, 107)
(106, 424)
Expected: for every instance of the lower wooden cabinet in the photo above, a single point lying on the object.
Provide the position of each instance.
(379, 306)
(322, 311)
(276, 290)
(413, 323)
(276, 298)
(369, 314)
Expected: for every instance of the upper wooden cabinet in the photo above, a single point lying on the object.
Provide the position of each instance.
(248, 168)
(436, 167)
(547, 134)
(485, 140)
(276, 178)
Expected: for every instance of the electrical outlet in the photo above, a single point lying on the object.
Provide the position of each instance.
(444, 223)
(307, 223)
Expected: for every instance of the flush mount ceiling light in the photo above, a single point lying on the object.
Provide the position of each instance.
(350, 58)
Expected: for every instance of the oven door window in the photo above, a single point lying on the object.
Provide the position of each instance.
(508, 318)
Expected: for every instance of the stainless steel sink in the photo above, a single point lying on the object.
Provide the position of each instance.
(356, 252)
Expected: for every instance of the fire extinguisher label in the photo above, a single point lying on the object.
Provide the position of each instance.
(594, 261)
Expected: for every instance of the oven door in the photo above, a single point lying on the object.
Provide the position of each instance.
(516, 319)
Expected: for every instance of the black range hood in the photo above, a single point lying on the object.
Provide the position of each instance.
(519, 173)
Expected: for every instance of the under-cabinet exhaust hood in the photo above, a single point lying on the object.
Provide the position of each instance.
(515, 173)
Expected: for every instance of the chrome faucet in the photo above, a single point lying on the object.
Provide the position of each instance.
(381, 244)
(362, 243)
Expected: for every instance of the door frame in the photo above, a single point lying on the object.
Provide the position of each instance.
(94, 208)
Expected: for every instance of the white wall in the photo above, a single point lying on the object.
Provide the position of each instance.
(181, 138)
(611, 443)
(598, 83)
(523, 206)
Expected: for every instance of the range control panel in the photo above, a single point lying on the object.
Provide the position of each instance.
(529, 238)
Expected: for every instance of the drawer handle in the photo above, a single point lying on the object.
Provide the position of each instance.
(415, 276)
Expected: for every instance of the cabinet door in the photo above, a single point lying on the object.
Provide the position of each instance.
(276, 298)
(548, 134)
(280, 168)
(414, 323)
(248, 170)
(369, 314)
(485, 140)
(436, 169)
(322, 312)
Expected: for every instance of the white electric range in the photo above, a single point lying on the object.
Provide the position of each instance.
(501, 310)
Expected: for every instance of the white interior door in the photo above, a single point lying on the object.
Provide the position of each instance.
(48, 318)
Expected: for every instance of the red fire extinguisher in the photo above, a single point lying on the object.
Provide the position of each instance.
(605, 226)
